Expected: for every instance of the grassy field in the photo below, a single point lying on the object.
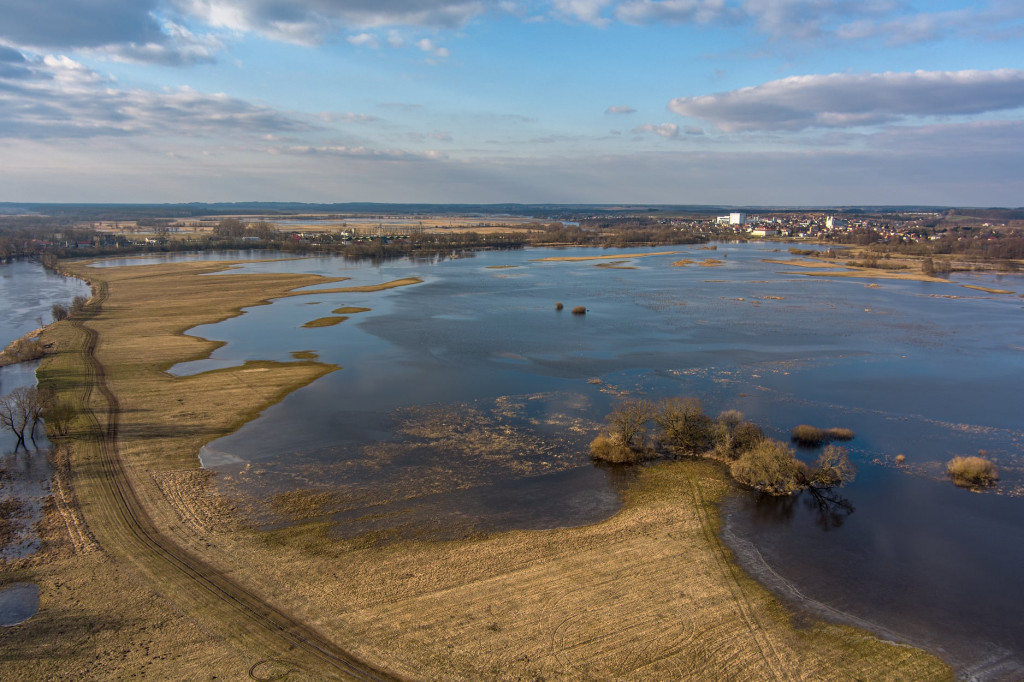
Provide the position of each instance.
(617, 256)
(651, 593)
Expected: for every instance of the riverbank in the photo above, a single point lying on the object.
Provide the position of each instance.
(650, 592)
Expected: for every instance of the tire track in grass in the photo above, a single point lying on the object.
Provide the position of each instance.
(239, 615)
(747, 611)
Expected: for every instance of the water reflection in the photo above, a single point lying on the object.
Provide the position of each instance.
(827, 507)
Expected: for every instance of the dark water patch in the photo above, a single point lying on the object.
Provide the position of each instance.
(915, 557)
(27, 292)
(576, 497)
(18, 603)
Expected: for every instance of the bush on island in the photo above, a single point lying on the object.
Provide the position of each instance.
(972, 472)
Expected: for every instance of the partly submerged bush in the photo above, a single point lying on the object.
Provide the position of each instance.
(833, 468)
(839, 434)
(972, 472)
(558, 305)
(772, 467)
(805, 434)
(683, 429)
(579, 310)
(609, 448)
(812, 436)
(24, 349)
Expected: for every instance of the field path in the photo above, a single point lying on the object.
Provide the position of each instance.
(220, 605)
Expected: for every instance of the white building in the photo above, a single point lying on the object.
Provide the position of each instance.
(832, 222)
(737, 218)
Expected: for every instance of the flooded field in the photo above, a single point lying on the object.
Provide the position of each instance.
(465, 404)
(27, 292)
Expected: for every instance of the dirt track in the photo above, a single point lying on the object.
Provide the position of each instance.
(130, 534)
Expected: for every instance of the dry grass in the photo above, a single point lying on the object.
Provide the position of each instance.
(711, 263)
(682, 263)
(304, 355)
(325, 321)
(617, 256)
(972, 472)
(870, 273)
(24, 349)
(606, 601)
(802, 263)
(812, 436)
(350, 310)
(987, 290)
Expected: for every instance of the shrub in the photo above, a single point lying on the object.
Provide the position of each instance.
(807, 435)
(609, 448)
(839, 434)
(812, 436)
(59, 312)
(771, 467)
(683, 426)
(745, 436)
(972, 472)
(22, 350)
(833, 469)
(901, 458)
(730, 418)
(559, 306)
(579, 310)
(78, 304)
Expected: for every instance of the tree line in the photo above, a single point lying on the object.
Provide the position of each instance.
(682, 429)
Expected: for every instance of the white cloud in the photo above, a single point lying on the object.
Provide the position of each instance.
(671, 11)
(428, 46)
(311, 21)
(619, 110)
(586, 11)
(364, 40)
(842, 100)
(667, 130)
(57, 97)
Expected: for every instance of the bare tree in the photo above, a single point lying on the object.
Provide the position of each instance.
(21, 411)
(628, 421)
(684, 426)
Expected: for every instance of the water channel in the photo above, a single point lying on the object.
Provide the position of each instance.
(27, 292)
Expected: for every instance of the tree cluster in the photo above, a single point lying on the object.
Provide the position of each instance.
(25, 407)
(682, 429)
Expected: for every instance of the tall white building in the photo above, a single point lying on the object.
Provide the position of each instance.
(737, 218)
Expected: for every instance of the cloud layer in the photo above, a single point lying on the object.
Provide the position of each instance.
(57, 97)
(849, 100)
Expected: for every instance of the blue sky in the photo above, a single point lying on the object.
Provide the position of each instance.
(743, 102)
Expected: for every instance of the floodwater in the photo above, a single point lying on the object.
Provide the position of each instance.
(27, 291)
(18, 603)
(468, 398)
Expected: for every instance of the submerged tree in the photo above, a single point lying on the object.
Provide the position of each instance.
(21, 411)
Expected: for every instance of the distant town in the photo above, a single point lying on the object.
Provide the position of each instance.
(393, 230)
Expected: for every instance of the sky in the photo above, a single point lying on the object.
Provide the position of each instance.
(726, 102)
